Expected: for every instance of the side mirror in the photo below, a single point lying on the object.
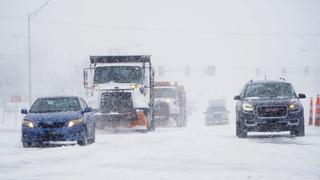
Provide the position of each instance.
(24, 111)
(302, 96)
(143, 90)
(87, 109)
(237, 98)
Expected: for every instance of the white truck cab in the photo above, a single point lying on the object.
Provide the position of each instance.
(120, 86)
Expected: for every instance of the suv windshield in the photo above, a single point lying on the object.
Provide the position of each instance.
(269, 90)
(45, 105)
(118, 74)
(165, 92)
(216, 108)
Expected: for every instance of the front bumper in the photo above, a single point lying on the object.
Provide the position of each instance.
(121, 122)
(272, 124)
(31, 135)
(217, 121)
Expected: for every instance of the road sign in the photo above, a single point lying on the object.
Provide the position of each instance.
(15, 99)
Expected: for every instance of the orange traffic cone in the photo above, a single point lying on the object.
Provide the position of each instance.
(311, 112)
(317, 116)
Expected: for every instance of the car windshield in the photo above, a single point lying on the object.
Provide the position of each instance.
(269, 90)
(165, 93)
(216, 108)
(45, 105)
(118, 74)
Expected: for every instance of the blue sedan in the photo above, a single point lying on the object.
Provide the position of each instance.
(65, 118)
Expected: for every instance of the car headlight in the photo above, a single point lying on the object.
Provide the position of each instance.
(74, 122)
(27, 123)
(294, 106)
(168, 100)
(247, 107)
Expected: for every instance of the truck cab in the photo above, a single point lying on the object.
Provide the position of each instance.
(121, 91)
(171, 96)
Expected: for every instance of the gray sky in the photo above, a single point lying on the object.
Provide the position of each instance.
(237, 36)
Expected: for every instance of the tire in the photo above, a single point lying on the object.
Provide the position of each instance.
(152, 125)
(26, 145)
(84, 140)
(143, 131)
(241, 132)
(178, 121)
(299, 131)
(93, 139)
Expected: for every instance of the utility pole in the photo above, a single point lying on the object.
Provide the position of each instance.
(30, 17)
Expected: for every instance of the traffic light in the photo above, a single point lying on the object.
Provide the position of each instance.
(211, 70)
(306, 71)
(258, 72)
(284, 71)
(187, 71)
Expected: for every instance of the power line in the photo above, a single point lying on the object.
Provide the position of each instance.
(169, 30)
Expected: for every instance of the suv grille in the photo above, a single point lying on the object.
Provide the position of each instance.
(120, 102)
(272, 111)
(51, 125)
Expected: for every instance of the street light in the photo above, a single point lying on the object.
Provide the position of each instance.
(30, 17)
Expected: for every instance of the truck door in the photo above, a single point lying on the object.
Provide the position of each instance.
(88, 76)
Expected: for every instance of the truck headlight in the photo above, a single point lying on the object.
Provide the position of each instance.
(247, 107)
(134, 86)
(293, 106)
(74, 122)
(94, 87)
(27, 123)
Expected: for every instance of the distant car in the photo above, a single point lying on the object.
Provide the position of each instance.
(65, 118)
(269, 106)
(217, 115)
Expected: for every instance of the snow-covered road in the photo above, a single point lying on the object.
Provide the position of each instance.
(195, 152)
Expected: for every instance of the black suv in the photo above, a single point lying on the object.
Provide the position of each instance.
(269, 106)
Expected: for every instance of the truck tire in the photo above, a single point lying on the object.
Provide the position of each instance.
(152, 125)
(241, 132)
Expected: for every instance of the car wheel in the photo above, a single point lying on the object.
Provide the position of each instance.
(93, 139)
(299, 131)
(240, 130)
(84, 140)
(26, 145)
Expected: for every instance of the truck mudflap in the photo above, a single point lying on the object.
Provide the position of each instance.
(140, 122)
(137, 122)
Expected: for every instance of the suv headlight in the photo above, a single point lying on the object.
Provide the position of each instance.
(247, 107)
(74, 122)
(28, 123)
(294, 106)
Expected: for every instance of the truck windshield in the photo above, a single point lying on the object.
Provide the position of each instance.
(165, 92)
(45, 105)
(118, 74)
(269, 90)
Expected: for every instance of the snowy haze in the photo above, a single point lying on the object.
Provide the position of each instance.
(237, 36)
(277, 38)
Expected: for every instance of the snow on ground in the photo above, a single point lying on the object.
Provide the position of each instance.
(195, 152)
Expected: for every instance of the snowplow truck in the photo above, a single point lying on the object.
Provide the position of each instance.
(170, 103)
(120, 89)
